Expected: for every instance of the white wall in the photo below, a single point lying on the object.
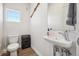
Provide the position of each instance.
(39, 24)
(77, 25)
(21, 27)
(1, 24)
(77, 30)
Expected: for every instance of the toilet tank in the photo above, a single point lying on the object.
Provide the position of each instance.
(13, 38)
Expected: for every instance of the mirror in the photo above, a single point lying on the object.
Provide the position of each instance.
(58, 16)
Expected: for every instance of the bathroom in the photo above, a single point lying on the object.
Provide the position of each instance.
(39, 20)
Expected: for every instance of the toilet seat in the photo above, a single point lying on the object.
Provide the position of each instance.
(13, 47)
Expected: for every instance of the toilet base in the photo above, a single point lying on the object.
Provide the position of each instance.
(14, 53)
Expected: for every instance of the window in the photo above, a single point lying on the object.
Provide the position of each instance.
(13, 15)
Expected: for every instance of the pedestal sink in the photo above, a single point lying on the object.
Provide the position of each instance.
(59, 41)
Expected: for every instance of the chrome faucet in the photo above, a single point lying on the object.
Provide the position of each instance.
(65, 34)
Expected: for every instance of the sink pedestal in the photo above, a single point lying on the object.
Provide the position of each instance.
(61, 45)
(60, 51)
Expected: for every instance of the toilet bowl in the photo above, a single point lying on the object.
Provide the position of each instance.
(13, 45)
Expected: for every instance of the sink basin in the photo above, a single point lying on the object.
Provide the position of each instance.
(59, 41)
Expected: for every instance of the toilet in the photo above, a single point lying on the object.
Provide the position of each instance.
(13, 45)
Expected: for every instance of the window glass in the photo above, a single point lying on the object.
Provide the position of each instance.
(13, 15)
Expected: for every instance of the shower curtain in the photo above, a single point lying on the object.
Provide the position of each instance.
(1, 25)
(3, 40)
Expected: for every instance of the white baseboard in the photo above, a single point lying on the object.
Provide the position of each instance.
(38, 53)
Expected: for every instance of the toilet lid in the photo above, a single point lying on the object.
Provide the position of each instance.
(13, 46)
